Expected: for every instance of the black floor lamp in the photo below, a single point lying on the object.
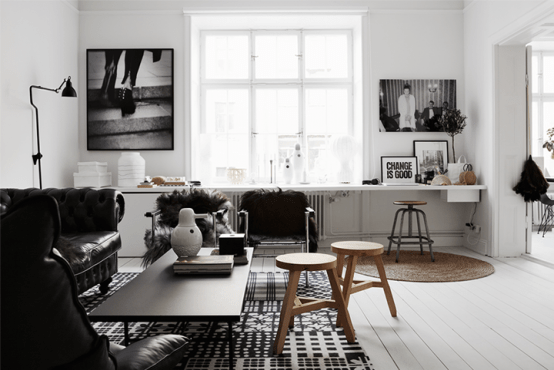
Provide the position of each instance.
(67, 91)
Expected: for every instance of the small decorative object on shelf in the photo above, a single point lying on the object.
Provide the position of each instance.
(549, 144)
(467, 177)
(130, 169)
(453, 122)
(236, 175)
(92, 174)
(287, 171)
(186, 238)
(297, 160)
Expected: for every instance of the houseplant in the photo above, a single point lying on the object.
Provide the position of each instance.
(549, 144)
(453, 122)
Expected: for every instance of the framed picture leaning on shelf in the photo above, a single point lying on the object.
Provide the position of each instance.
(431, 155)
(398, 169)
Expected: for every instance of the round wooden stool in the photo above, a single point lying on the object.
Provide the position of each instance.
(293, 305)
(405, 239)
(356, 249)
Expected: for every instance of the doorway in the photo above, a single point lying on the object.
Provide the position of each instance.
(542, 120)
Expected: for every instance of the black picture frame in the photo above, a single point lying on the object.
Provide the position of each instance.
(414, 112)
(130, 99)
(431, 155)
(398, 169)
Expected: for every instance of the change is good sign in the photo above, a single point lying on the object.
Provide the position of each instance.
(398, 169)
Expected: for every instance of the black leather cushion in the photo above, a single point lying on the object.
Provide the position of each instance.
(152, 353)
(43, 323)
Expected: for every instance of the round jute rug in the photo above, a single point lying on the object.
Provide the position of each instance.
(412, 266)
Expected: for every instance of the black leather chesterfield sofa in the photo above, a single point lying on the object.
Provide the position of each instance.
(89, 236)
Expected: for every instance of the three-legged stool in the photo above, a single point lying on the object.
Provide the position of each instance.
(402, 239)
(293, 305)
(355, 249)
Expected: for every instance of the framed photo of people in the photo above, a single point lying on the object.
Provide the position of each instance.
(414, 105)
(130, 99)
(431, 155)
(398, 169)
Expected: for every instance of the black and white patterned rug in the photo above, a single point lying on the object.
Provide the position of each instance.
(314, 342)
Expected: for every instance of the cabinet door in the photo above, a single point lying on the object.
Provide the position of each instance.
(134, 223)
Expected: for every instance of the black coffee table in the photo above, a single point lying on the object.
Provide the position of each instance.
(157, 294)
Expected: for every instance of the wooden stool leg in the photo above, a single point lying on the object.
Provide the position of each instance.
(286, 312)
(340, 264)
(385, 283)
(347, 283)
(342, 309)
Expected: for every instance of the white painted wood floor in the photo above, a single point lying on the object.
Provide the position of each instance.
(504, 321)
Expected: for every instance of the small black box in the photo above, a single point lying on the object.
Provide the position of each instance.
(231, 244)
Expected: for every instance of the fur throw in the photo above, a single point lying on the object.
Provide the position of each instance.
(201, 201)
(278, 213)
(532, 183)
(71, 254)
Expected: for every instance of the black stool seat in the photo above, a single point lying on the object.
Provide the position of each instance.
(409, 239)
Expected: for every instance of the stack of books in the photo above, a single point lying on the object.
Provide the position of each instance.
(204, 265)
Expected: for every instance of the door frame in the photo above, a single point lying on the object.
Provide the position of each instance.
(516, 33)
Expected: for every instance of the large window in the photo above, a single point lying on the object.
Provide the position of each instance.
(262, 92)
(543, 106)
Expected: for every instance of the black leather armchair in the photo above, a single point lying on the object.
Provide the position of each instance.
(89, 235)
(44, 326)
(277, 217)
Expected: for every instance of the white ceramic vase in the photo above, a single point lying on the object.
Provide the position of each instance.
(297, 160)
(287, 171)
(131, 169)
(186, 238)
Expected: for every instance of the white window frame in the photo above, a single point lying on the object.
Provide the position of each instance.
(301, 83)
(540, 98)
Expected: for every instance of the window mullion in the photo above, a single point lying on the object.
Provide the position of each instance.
(252, 116)
(302, 92)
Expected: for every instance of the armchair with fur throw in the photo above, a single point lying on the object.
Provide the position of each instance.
(166, 218)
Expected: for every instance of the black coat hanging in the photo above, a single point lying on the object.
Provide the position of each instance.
(532, 183)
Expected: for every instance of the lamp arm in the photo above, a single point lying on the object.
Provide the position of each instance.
(37, 157)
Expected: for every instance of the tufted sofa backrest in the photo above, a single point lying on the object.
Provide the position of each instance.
(81, 209)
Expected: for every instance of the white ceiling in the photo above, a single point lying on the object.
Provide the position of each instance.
(237, 5)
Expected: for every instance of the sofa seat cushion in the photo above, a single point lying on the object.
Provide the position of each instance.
(92, 248)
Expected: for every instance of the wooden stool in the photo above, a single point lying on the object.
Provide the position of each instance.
(356, 249)
(293, 305)
(401, 239)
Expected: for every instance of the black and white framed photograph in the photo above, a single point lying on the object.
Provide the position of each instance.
(398, 169)
(414, 105)
(130, 99)
(431, 155)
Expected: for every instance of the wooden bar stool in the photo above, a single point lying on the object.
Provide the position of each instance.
(293, 305)
(404, 239)
(355, 249)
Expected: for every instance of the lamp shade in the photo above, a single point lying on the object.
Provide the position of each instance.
(68, 89)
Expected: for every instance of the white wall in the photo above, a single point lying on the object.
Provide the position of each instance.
(413, 45)
(136, 30)
(39, 47)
